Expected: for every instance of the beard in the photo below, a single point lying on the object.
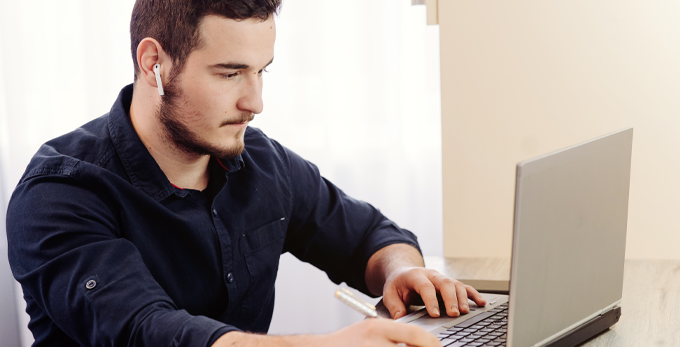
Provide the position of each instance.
(179, 135)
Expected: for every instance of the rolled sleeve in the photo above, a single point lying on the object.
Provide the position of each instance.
(65, 251)
(331, 230)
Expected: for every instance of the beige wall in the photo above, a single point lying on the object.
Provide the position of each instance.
(521, 78)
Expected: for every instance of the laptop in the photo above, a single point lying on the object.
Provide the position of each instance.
(569, 238)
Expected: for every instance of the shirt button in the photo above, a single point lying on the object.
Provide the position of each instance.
(230, 277)
(90, 284)
(215, 213)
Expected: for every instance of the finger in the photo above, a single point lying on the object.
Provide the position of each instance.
(393, 303)
(462, 298)
(428, 293)
(447, 288)
(411, 335)
(475, 296)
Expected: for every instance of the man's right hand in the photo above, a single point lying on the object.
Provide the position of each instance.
(380, 332)
(369, 332)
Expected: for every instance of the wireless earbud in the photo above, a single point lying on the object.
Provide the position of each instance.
(157, 72)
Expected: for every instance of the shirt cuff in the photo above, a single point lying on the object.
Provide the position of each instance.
(200, 330)
(219, 332)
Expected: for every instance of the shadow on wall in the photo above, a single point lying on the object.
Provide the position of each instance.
(9, 325)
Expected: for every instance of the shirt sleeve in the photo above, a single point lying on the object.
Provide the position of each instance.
(331, 230)
(65, 252)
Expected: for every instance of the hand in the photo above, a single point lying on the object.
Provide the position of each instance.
(380, 332)
(374, 332)
(402, 286)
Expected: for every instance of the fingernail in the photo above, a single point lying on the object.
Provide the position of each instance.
(396, 314)
(435, 310)
(454, 308)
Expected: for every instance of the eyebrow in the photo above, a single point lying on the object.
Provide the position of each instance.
(236, 66)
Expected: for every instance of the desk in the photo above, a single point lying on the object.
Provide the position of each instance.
(650, 305)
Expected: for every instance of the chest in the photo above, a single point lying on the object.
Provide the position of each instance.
(214, 256)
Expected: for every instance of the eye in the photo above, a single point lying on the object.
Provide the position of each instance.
(262, 71)
(229, 76)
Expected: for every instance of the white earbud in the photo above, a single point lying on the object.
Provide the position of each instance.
(157, 72)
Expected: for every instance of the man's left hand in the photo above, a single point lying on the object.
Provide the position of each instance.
(404, 285)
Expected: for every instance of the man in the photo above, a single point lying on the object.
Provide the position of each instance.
(162, 222)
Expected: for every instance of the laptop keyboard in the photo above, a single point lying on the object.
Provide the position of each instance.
(486, 329)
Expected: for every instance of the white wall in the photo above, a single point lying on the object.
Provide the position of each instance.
(354, 88)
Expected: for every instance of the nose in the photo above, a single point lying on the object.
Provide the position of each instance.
(251, 97)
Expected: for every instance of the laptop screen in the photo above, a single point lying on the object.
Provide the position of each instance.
(571, 213)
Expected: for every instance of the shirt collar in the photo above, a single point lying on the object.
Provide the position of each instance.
(141, 167)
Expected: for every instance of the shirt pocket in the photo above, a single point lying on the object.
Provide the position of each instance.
(262, 251)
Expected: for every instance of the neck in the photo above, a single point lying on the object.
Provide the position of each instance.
(184, 170)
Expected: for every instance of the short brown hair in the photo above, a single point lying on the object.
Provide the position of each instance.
(174, 23)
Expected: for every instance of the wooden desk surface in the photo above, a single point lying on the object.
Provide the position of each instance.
(650, 305)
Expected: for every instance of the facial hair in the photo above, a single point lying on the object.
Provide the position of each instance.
(179, 135)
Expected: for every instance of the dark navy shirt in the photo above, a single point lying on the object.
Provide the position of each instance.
(109, 253)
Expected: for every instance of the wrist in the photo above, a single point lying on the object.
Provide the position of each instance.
(387, 263)
(228, 339)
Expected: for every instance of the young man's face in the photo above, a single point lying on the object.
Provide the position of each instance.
(207, 107)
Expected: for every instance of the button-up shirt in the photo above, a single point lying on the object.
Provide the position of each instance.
(109, 252)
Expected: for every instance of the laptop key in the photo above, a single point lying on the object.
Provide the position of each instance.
(472, 321)
(449, 343)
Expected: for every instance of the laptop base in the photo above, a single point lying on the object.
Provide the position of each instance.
(589, 329)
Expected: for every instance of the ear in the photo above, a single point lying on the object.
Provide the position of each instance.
(150, 53)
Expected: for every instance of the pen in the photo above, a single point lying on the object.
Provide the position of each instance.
(352, 301)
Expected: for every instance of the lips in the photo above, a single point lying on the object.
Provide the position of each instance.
(241, 121)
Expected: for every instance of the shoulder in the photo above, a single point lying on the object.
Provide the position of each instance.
(259, 146)
(269, 155)
(90, 143)
(256, 138)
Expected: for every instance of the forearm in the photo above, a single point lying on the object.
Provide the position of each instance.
(237, 338)
(388, 260)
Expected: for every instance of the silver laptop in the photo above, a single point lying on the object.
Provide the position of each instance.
(569, 237)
